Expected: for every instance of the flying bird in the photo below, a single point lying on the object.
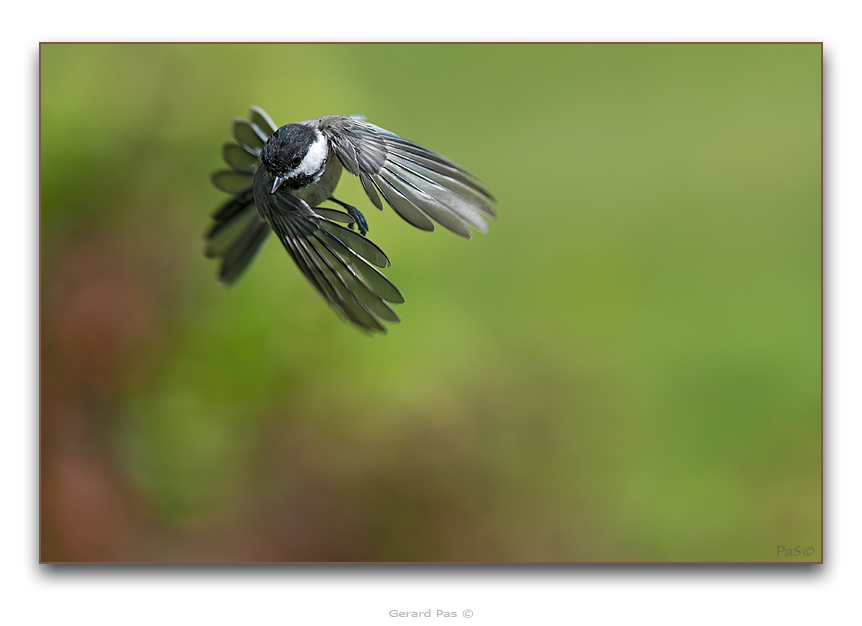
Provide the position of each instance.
(278, 177)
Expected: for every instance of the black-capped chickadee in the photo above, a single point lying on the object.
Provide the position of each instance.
(279, 176)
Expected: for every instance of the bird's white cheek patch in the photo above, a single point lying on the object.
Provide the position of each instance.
(314, 158)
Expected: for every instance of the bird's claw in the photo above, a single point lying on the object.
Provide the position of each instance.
(358, 220)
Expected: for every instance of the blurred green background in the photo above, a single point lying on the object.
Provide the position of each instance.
(627, 368)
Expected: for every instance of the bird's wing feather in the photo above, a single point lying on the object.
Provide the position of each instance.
(337, 261)
(236, 236)
(417, 183)
(238, 232)
(264, 122)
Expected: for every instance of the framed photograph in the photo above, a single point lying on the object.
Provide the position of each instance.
(513, 303)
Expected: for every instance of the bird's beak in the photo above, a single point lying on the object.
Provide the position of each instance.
(277, 183)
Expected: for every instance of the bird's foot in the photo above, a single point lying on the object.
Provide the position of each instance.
(358, 219)
(359, 222)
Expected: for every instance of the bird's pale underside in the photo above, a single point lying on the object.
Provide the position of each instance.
(278, 177)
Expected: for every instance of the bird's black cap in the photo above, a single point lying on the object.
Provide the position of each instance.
(286, 148)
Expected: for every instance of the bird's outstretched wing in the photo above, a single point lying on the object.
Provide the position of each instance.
(418, 184)
(238, 232)
(236, 236)
(337, 261)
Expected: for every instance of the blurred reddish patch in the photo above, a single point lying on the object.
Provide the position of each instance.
(99, 333)
(86, 513)
(98, 312)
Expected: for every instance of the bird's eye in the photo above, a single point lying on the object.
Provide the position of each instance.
(296, 161)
